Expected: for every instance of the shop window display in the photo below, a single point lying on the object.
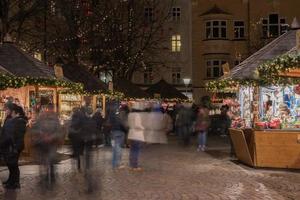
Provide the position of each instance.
(235, 113)
(246, 99)
(280, 107)
(67, 103)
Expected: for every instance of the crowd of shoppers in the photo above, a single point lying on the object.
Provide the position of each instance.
(124, 125)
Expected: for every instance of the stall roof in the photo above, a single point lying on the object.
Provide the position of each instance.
(3, 70)
(165, 90)
(129, 89)
(80, 74)
(281, 45)
(17, 62)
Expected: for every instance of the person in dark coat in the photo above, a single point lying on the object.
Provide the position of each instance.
(82, 134)
(75, 134)
(118, 121)
(12, 144)
(184, 123)
(99, 120)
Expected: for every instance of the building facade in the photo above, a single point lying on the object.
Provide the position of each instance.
(174, 62)
(225, 32)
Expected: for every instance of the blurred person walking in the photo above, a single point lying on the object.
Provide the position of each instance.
(118, 121)
(99, 120)
(184, 123)
(46, 139)
(226, 124)
(201, 127)
(136, 134)
(76, 134)
(12, 143)
(82, 134)
(149, 127)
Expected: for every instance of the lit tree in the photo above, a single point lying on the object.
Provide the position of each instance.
(121, 36)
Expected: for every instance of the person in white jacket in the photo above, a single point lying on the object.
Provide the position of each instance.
(150, 127)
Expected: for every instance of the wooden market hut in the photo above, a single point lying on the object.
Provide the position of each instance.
(28, 81)
(129, 89)
(18, 63)
(164, 90)
(91, 84)
(275, 148)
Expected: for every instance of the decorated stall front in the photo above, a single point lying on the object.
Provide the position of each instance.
(268, 92)
(29, 83)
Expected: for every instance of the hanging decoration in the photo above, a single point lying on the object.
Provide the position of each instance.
(9, 81)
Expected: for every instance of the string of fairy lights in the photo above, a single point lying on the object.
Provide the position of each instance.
(268, 73)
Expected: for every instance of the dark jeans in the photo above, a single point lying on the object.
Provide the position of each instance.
(11, 160)
(135, 149)
(185, 133)
(107, 139)
(118, 138)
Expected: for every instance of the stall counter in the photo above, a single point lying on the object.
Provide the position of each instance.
(267, 148)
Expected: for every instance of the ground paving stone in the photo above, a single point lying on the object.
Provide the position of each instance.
(171, 172)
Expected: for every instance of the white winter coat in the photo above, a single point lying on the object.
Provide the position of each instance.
(148, 127)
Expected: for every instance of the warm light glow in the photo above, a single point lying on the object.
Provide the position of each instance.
(186, 81)
(176, 43)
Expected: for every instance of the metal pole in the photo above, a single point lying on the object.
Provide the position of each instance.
(186, 90)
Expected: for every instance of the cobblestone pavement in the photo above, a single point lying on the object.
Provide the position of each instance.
(170, 172)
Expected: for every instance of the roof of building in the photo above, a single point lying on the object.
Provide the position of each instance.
(215, 10)
(17, 62)
(165, 90)
(3, 70)
(80, 74)
(281, 45)
(129, 89)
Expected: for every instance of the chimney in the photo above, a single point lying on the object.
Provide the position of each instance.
(58, 69)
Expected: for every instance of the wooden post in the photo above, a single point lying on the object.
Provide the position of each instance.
(94, 102)
(104, 105)
(36, 91)
(255, 105)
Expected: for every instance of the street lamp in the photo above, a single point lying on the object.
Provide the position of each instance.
(186, 82)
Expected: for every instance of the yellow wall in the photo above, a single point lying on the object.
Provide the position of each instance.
(229, 49)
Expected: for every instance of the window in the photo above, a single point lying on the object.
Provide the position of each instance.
(273, 26)
(214, 68)
(148, 75)
(216, 29)
(176, 12)
(176, 43)
(149, 14)
(176, 75)
(239, 30)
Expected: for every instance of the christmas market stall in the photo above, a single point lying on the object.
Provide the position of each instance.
(94, 93)
(167, 94)
(267, 132)
(164, 90)
(29, 83)
(130, 90)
